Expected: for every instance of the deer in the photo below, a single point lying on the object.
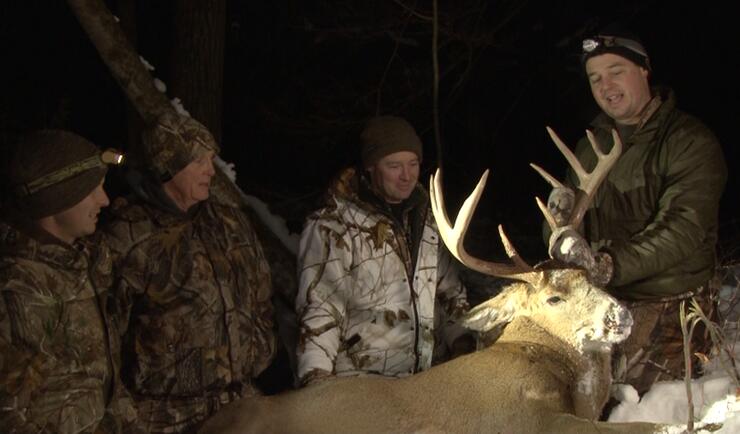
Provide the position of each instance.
(548, 372)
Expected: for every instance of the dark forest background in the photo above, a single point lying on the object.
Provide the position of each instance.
(286, 85)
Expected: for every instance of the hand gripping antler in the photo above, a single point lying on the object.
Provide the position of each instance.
(453, 236)
(588, 183)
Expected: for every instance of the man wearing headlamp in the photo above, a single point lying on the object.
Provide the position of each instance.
(652, 229)
(59, 346)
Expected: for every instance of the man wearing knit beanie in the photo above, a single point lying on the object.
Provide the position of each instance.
(57, 182)
(372, 269)
(391, 152)
(650, 234)
(195, 279)
(59, 350)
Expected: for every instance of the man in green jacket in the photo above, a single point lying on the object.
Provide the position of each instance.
(652, 228)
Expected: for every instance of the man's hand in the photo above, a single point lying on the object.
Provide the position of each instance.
(568, 246)
(560, 204)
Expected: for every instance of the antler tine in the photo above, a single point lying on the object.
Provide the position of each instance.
(590, 182)
(453, 235)
(546, 212)
(511, 250)
(569, 155)
(549, 178)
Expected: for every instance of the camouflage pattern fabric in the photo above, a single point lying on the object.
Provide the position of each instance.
(365, 305)
(59, 347)
(654, 350)
(174, 142)
(197, 289)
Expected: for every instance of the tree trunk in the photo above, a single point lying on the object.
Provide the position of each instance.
(198, 59)
(123, 61)
(126, 13)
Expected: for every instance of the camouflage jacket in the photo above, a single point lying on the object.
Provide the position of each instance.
(197, 287)
(59, 347)
(656, 213)
(370, 292)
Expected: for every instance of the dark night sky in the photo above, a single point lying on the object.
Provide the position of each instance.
(277, 62)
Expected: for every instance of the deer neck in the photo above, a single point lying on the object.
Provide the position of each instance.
(524, 331)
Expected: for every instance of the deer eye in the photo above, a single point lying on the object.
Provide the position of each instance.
(554, 300)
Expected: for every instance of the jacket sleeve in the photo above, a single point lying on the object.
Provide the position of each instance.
(324, 259)
(693, 173)
(452, 300)
(130, 268)
(32, 398)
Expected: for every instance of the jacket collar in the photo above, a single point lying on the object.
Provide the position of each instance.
(661, 106)
(38, 245)
(151, 192)
(353, 185)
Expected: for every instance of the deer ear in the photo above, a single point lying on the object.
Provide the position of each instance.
(491, 314)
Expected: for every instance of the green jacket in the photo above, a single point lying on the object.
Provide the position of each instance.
(59, 346)
(656, 213)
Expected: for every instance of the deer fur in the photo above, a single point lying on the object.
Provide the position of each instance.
(547, 373)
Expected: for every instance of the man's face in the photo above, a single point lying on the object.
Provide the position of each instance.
(192, 184)
(395, 176)
(81, 219)
(619, 86)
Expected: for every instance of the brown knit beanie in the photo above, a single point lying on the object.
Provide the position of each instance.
(385, 135)
(174, 142)
(51, 171)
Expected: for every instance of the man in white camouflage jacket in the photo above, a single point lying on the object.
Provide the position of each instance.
(378, 292)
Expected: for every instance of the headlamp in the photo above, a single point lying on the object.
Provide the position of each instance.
(591, 44)
(109, 156)
(112, 157)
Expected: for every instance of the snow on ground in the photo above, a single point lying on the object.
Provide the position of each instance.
(715, 395)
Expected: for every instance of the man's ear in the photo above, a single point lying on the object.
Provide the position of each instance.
(645, 73)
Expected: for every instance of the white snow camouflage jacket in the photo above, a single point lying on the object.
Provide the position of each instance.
(359, 313)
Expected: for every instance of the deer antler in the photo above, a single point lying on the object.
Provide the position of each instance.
(588, 183)
(453, 235)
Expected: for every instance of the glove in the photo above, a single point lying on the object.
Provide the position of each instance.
(560, 204)
(568, 246)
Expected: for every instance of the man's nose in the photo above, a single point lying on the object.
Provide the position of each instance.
(606, 82)
(405, 171)
(210, 169)
(103, 199)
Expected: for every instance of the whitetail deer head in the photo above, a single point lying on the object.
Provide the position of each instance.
(560, 299)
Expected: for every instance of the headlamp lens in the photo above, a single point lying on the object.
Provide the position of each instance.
(590, 45)
(112, 156)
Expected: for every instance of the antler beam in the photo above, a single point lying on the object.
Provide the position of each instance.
(453, 235)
